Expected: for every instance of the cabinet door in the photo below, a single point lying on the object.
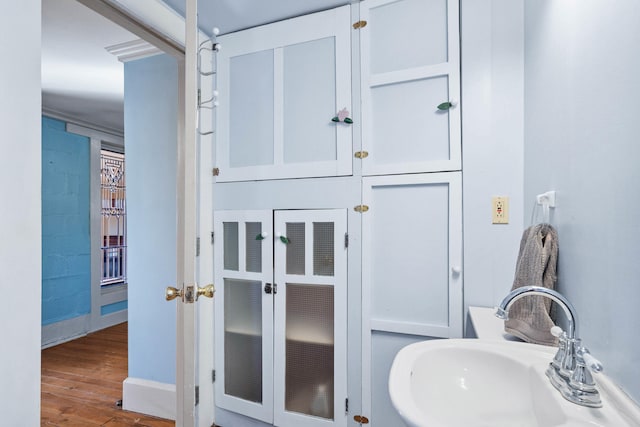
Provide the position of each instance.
(410, 65)
(243, 263)
(411, 273)
(310, 318)
(279, 87)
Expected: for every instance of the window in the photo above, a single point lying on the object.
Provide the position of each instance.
(114, 218)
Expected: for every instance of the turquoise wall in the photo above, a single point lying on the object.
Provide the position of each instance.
(151, 131)
(66, 243)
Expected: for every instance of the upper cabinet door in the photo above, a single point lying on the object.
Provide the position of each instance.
(410, 86)
(280, 85)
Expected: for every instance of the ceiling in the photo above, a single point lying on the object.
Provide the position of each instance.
(80, 79)
(234, 15)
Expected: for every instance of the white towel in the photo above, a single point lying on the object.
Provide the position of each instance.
(529, 317)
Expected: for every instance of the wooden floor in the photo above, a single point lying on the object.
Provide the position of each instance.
(82, 381)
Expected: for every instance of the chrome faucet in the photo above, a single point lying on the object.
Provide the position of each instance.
(570, 369)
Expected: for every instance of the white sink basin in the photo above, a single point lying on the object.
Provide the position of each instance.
(478, 383)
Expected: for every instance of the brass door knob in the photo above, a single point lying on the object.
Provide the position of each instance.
(207, 292)
(172, 293)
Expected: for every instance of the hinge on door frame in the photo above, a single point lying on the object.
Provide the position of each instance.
(275, 288)
(212, 237)
(346, 240)
(361, 208)
(359, 24)
(361, 419)
(213, 375)
(346, 405)
(197, 246)
(197, 390)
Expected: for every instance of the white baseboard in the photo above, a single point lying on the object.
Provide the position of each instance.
(66, 330)
(112, 319)
(149, 397)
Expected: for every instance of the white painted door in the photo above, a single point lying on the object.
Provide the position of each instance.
(280, 315)
(310, 345)
(280, 85)
(193, 345)
(243, 259)
(410, 67)
(412, 277)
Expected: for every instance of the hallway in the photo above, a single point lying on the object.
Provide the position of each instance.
(82, 381)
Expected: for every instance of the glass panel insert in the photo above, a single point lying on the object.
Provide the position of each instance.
(251, 109)
(407, 34)
(323, 248)
(243, 339)
(254, 247)
(309, 343)
(231, 249)
(295, 247)
(415, 130)
(310, 101)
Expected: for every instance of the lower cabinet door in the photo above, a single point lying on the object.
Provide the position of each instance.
(281, 315)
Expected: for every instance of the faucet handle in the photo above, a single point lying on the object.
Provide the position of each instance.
(591, 362)
(556, 331)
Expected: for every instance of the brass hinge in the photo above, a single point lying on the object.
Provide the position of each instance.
(359, 24)
(361, 419)
(215, 171)
(361, 154)
(361, 208)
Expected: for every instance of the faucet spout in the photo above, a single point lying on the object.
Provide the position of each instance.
(502, 310)
(568, 371)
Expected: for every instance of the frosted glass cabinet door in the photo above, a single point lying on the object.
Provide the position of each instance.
(279, 87)
(310, 314)
(410, 67)
(244, 313)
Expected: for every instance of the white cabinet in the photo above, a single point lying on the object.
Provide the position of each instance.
(412, 275)
(409, 67)
(281, 356)
(280, 310)
(280, 85)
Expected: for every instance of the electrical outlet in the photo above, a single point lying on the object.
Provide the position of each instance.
(500, 210)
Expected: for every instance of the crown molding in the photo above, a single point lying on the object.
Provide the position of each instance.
(132, 50)
(117, 133)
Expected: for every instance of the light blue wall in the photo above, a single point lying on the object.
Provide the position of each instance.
(492, 67)
(66, 240)
(582, 131)
(151, 111)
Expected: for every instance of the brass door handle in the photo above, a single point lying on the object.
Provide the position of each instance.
(172, 293)
(207, 292)
(193, 292)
